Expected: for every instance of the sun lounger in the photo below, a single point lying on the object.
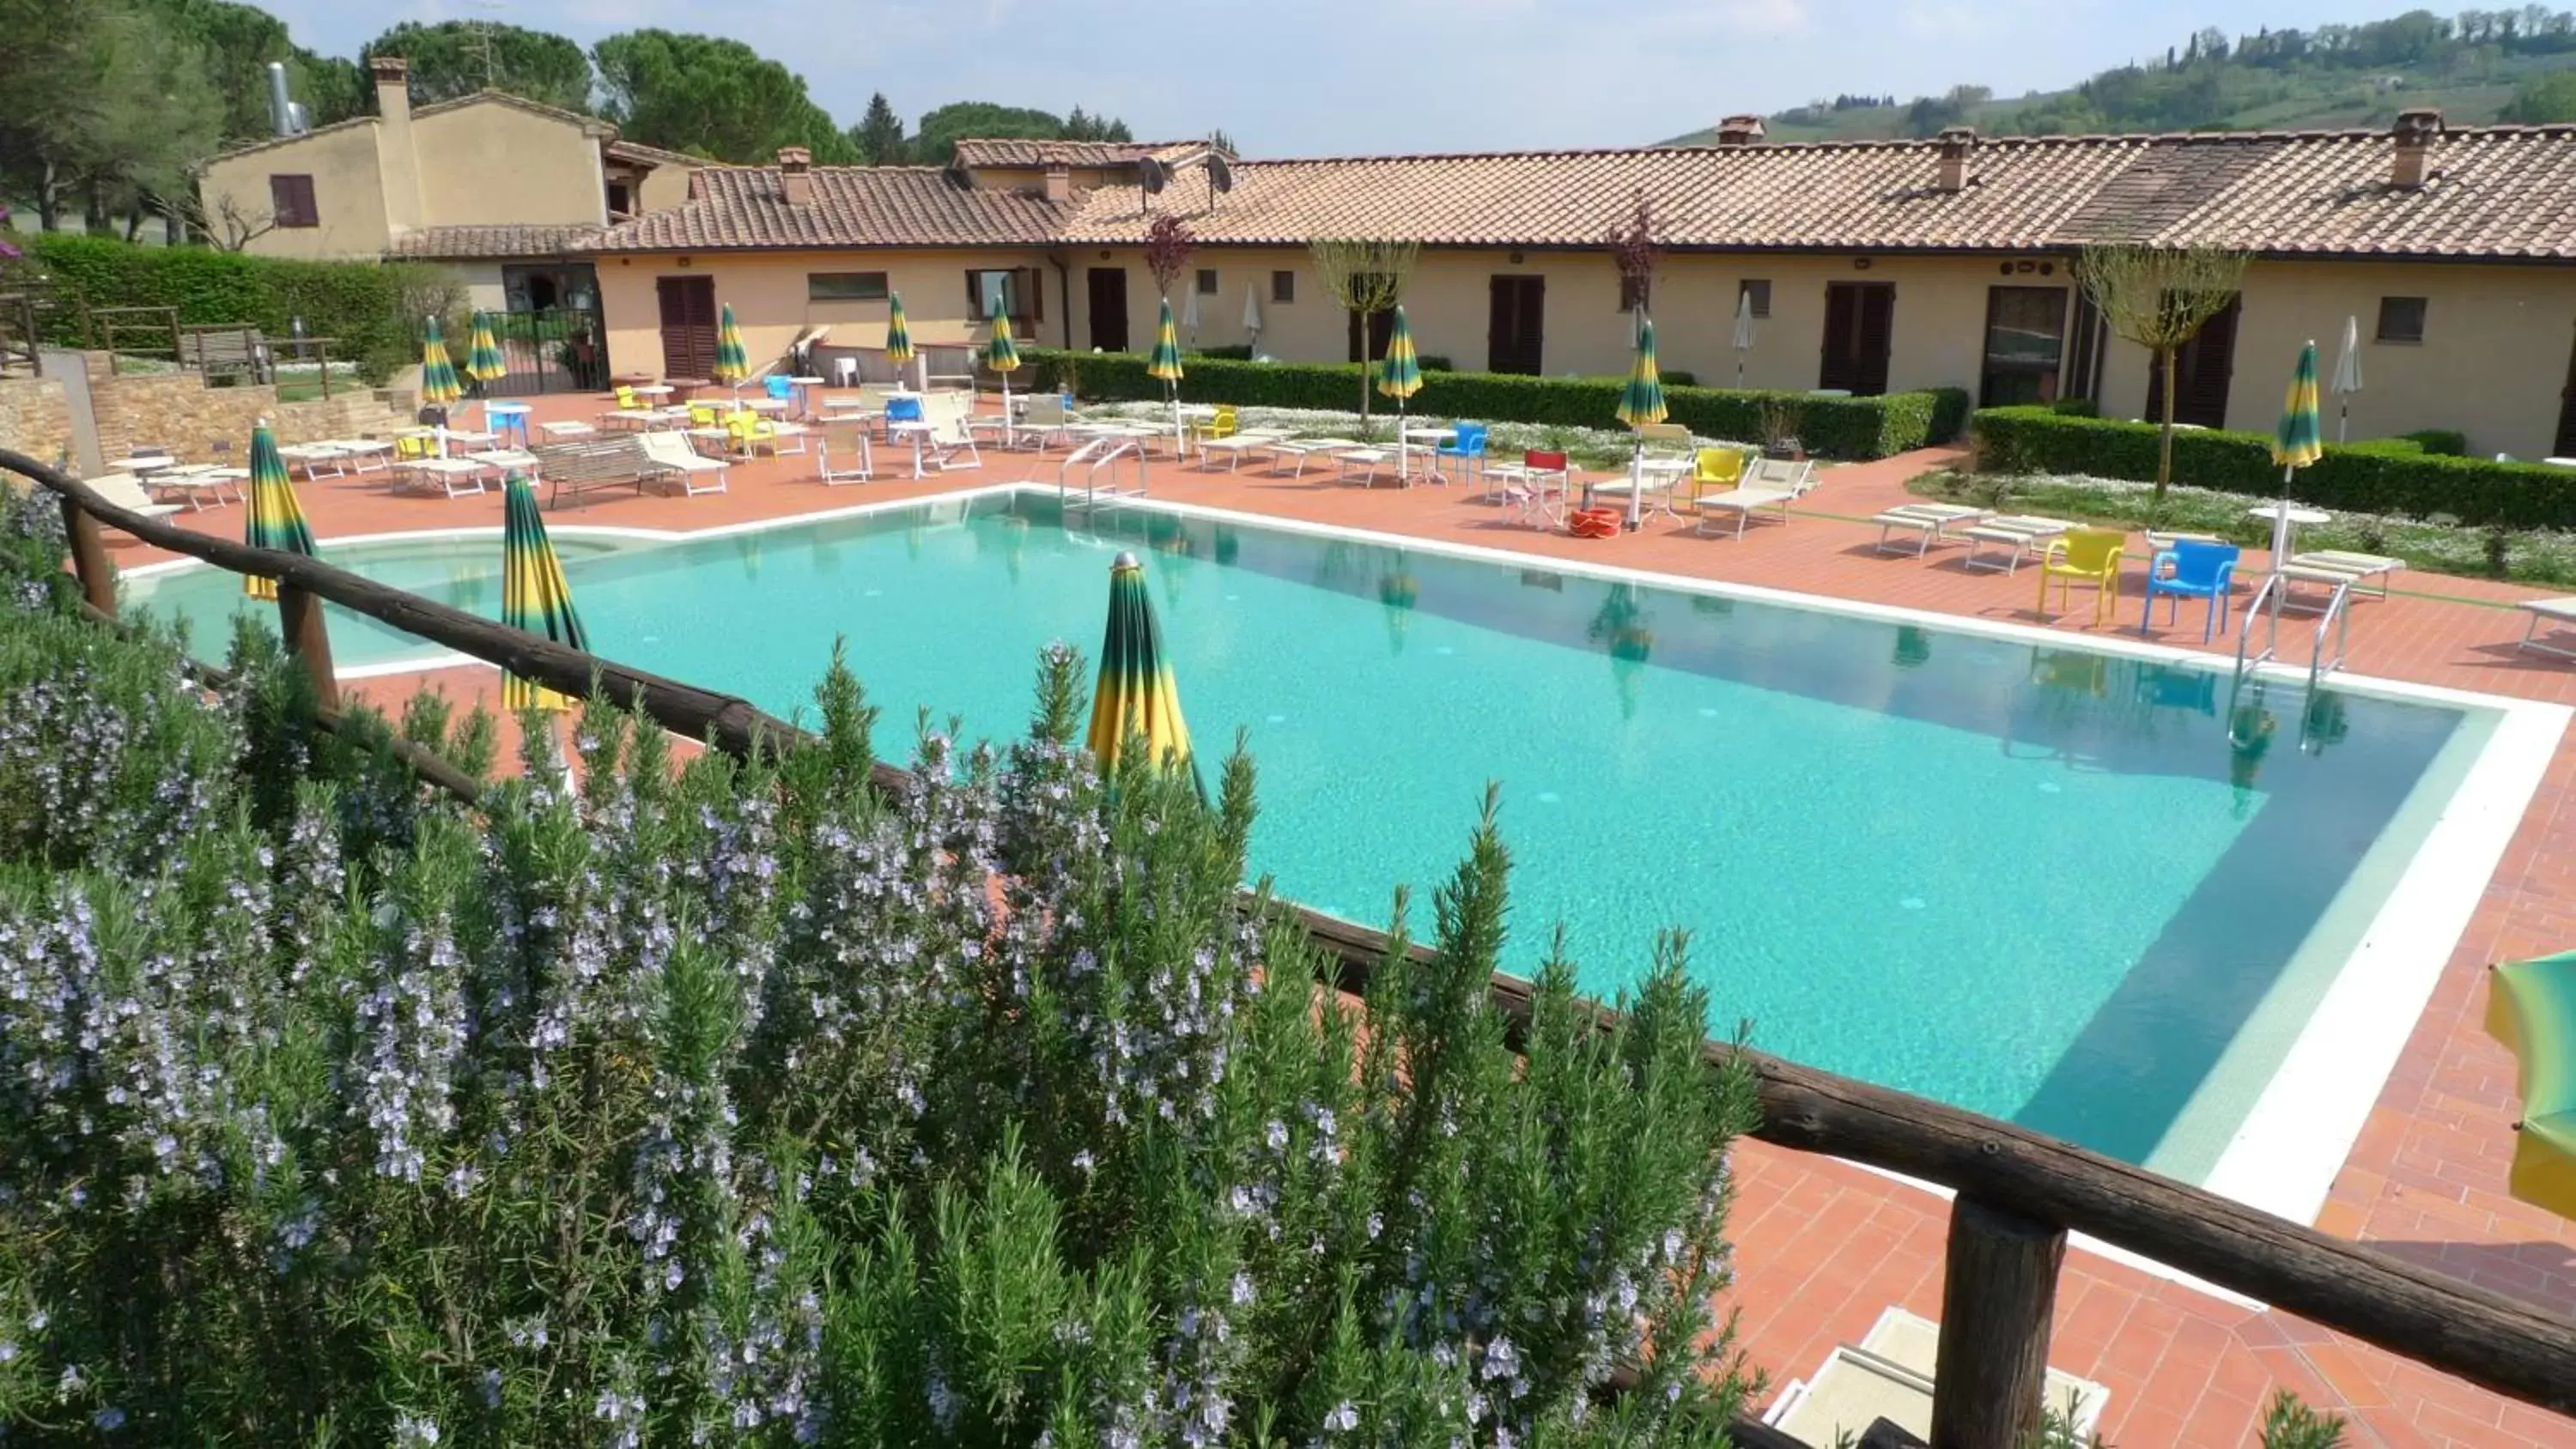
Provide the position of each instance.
(668, 455)
(2020, 536)
(1361, 463)
(1301, 449)
(121, 490)
(454, 477)
(1930, 522)
(2359, 566)
(1769, 483)
(2558, 614)
(1255, 441)
(580, 465)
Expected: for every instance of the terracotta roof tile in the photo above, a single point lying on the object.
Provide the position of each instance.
(474, 243)
(853, 206)
(1029, 151)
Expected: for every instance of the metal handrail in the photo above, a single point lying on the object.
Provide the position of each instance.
(1094, 456)
(2337, 617)
(2271, 592)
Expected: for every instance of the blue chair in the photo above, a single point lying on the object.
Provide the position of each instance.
(779, 387)
(903, 409)
(2192, 570)
(1468, 447)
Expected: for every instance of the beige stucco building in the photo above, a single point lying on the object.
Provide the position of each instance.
(1864, 266)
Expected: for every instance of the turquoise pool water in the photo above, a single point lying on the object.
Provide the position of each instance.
(2041, 883)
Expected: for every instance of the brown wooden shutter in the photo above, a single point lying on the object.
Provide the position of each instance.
(974, 298)
(1877, 337)
(290, 200)
(1036, 294)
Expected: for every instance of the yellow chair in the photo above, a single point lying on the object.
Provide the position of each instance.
(1715, 470)
(749, 431)
(627, 401)
(703, 415)
(2089, 555)
(411, 447)
(1222, 425)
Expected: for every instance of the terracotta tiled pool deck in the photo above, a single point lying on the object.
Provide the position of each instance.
(1825, 1246)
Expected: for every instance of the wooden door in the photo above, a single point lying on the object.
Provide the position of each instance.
(2565, 446)
(688, 325)
(2203, 369)
(1516, 329)
(1108, 308)
(1860, 328)
(1381, 328)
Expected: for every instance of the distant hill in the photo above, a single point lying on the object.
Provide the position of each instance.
(2478, 66)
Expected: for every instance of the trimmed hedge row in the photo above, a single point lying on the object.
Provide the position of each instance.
(2390, 475)
(1833, 427)
(366, 307)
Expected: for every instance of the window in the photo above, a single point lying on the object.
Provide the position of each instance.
(290, 198)
(997, 290)
(1207, 281)
(621, 199)
(1632, 292)
(1283, 286)
(2025, 345)
(1759, 291)
(2401, 319)
(845, 286)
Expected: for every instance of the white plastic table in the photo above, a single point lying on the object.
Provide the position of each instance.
(804, 392)
(2296, 515)
(507, 417)
(917, 430)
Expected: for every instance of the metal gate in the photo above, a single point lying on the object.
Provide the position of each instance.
(561, 349)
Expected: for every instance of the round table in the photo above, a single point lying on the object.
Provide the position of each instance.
(2289, 516)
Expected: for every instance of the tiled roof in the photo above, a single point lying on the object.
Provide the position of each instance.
(2502, 192)
(650, 155)
(590, 124)
(475, 243)
(853, 206)
(1018, 151)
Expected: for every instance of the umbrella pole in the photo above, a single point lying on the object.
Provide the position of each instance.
(1636, 484)
(2281, 532)
(2343, 421)
(1009, 439)
(1403, 456)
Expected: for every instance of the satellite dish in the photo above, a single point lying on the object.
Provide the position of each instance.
(1151, 175)
(1220, 175)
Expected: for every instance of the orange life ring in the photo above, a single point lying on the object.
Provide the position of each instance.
(1593, 523)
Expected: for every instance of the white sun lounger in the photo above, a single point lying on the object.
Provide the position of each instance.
(2020, 536)
(669, 455)
(1362, 463)
(2558, 614)
(1302, 449)
(2359, 566)
(121, 490)
(1769, 483)
(1254, 441)
(1931, 523)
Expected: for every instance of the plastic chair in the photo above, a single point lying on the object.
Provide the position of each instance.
(779, 388)
(703, 415)
(1223, 423)
(627, 401)
(1468, 447)
(2200, 571)
(1535, 488)
(1715, 470)
(2085, 555)
(903, 409)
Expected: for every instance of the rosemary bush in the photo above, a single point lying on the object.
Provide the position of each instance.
(736, 1102)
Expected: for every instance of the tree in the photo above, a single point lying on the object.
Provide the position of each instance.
(1168, 245)
(934, 142)
(1633, 251)
(238, 42)
(2546, 97)
(1366, 278)
(228, 225)
(109, 104)
(1223, 142)
(878, 138)
(2159, 298)
(710, 97)
(459, 57)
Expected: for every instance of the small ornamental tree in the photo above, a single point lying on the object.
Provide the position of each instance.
(1168, 245)
(2160, 298)
(1632, 249)
(1366, 278)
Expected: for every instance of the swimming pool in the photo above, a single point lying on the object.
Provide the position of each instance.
(2089, 891)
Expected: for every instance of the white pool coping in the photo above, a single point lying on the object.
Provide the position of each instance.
(2286, 1154)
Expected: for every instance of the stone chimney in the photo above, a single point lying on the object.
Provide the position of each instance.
(396, 162)
(2416, 132)
(1740, 131)
(796, 174)
(1956, 143)
(1059, 182)
(393, 87)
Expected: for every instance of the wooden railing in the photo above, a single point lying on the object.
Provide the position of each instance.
(2018, 1193)
(133, 332)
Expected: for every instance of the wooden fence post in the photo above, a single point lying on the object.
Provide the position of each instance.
(89, 557)
(2000, 1284)
(299, 616)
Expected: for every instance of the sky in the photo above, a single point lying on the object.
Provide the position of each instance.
(1330, 77)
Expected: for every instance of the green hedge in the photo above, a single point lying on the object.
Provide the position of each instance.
(1833, 427)
(364, 307)
(2391, 475)
(2446, 441)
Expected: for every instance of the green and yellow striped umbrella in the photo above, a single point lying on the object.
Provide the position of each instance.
(732, 364)
(1165, 363)
(1002, 354)
(898, 336)
(534, 595)
(438, 384)
(2297, 443)
(483, 357)
(1400, 375)
(2531, 1008)
(1135, 695)
(276, 520)
(1642, 401)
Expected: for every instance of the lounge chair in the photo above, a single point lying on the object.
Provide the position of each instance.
(844, 455)
(1770, 483)
(1234, 445)
(1043, 421)
(949, 444)
(2361, 567)
(2020, 536)
(2558, 614)
(121, 490)
(1930, 523)
(669, 455)
(1301, 449)
(2087, 556)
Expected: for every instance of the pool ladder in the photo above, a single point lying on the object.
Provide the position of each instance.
(1094, 458)
(2334, 626)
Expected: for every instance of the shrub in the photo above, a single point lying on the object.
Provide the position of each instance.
(369, 309)
(736, 1102)
(2076, 407)
(2449, 442)
(1857, 427)
(2386, 476)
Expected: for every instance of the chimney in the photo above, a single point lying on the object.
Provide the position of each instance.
(2416, 131)
(393, 88)
(1059, 182)
(1740, 131)
(796, 174)
(1956, 143)
(281, 110)
(396, 162)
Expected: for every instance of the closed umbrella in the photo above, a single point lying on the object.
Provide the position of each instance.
(1252, 317)
(1400, 377)
(276, 520)
(1136, 696)
(1003, 356)
(898, 346)
(534, 595)
(1743, 332)
(2347, 378)
(483, 355)
(2531, 1008)
(1165, 365)
(438, 384)
(2295, 445)
(1641, 403)
(732, 363)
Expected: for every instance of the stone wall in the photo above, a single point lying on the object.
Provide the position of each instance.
(35, 419)
(178, 410)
